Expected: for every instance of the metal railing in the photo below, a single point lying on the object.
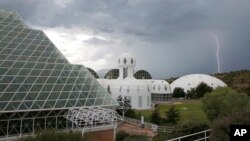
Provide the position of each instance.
(148, 125)
(205, 137)
(165, 129)
(138, 123)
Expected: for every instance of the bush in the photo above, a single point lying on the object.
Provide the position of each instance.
(183, 129)
(155, 117)
(53, 135)
(221, 126)
(120, 136)
(191, 93)
(199, 91)
(189, 128)
(162, 136)
(178, 92)
(223, 101)
(172, 115)
(123, 136)
(130, 113)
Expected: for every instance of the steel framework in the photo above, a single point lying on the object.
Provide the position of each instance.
(87, 118)
(93, 116)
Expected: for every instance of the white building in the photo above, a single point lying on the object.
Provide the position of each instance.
(193, 80)
(140, 88)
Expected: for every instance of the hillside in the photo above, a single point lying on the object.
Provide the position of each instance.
(239, 80)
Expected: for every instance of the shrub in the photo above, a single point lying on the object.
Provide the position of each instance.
(183, 129)
(178, 92)
(223, 101)
(172, 115)
(120, 136)
(123, 136)
(130, 113)
(199, 91)
(221, 126)
(54, 135)
(155, 117)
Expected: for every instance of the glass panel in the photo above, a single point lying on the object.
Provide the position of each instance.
(31, 96)
(54, 95)
(60, 103)
(6, 96)
(43, 96)
(24, 72)
(64, 95)
(7, 79)
(3, 87)
(19, 96)
(12, 88)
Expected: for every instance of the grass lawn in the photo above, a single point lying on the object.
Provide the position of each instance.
(189, 110)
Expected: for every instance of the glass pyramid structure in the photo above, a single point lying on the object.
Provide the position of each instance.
(37, 83)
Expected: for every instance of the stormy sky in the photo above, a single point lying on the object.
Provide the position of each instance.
(168, 37)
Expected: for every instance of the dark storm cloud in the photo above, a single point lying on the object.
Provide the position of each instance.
(174, 33)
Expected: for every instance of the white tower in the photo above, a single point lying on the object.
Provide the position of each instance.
(126, 65)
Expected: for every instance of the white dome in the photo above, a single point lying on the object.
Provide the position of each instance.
(160, 87)
(193, 80)
(126, 60)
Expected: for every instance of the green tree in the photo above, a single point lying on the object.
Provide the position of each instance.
(178, 92)
(172, 115)
(223, 101)
(201, 89)
(124, 105)
(130, 113)
(191, 93)
(155, 117)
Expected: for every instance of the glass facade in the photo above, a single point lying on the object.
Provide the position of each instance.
(93, 72)
(37, 83)
(142, 74)
(160, 98)
(112, 74)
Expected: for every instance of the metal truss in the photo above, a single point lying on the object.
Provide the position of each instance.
(93, 117)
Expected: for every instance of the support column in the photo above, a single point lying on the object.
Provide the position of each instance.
(8, 124)
(21, 126)
(33, 127)
(120, 73)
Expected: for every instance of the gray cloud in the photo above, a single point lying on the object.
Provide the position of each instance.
(169, 37)
(97, 41)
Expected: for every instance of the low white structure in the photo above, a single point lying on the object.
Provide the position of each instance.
(161, 91)
(193, 80)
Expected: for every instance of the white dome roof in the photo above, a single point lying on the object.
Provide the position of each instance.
(160, 87)
(126, 60)
(193, 80)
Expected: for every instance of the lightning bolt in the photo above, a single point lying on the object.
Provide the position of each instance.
(217, 50)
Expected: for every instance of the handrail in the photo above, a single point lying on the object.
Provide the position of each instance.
(148, 125)
(206, 136)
